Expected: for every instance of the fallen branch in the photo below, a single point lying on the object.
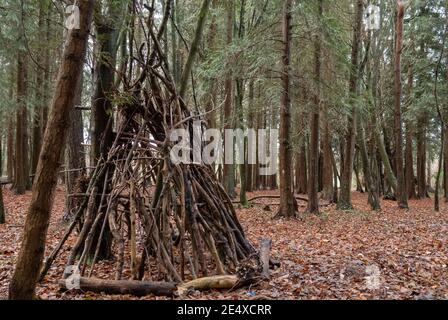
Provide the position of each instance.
(145, 288)
(208, 283)
(270, 197)
(135, 288)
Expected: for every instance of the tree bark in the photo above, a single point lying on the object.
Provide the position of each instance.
(240, 91)
(286, 192)
(313, 184)
(409, 160)
(2, 206)
(373, 197)
(102, 107)
(345, 200)
(422, 191)
(75, 157)
(301, 171)
(445, 166)
(21, 177)
(327, 168)
(40, 102)
(194, 47)
(10, 149)
(29, 263)
(125, 287)
(409, 164)
(229, 169)
(402, 195)
(251, 168)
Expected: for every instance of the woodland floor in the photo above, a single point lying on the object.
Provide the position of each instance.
(321, 257)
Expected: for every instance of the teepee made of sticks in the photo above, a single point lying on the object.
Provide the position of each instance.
(169, 221)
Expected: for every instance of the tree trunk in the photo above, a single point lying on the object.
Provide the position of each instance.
(327, 167)
(240, 90)
(251, 125)
(21, 177)
(286, 192)
(301, 160)
(75, 157)
(389, 174)
(102, 111)
(228, 168)
(345, 200)
(29, 263)
(40, 102)
(46, 85)
(313, 182)
(445, 166)
(102, 107)
(2, 207)
(374, 200)
(409, 160)
(125, 287)
(421, 157)
(194, 47)
(10, 149)
(402, 195)
(301, 170)
(409, 164)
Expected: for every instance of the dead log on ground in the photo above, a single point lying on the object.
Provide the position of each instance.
(135, 288)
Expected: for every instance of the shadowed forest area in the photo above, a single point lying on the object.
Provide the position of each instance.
(223, 149)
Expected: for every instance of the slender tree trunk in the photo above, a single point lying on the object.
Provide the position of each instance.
(313, 182)
(229, 169)
(102, 112)
(389, 174)
(240, 120)
(301, 159)
(301, 170)
(409, 160)
(251, 125)
(445, 166)
(46, 59)
(10, 142)
(75, 157)
(40, 103)
(421, 157)
(327, 169)
(274, 123)
(194, 47)
(359, 187)
(2, 207)
(102, 108)
(409, 164)
(439, 171)
(402, 195)
(29, 262)
(240, 90)
(21, 177)
(286, 192)
(345, 200)
(374, 200)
